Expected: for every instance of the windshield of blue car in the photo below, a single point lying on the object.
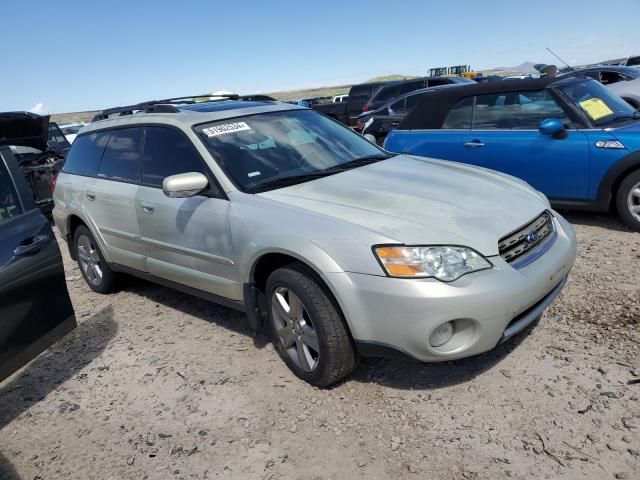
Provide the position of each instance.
(599, 104)
(257, 150)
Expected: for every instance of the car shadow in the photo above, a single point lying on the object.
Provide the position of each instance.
(7, 471)
(206, 310)
(609, 221)
(414, 375)
(56, 365)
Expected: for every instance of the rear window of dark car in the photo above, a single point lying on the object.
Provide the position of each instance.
(362, 92)
(85, 154)
(121, 158)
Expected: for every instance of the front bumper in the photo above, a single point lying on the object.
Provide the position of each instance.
(487, 307)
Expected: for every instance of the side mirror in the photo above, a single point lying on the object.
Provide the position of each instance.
(370, 137)
(551, 126)
(184, 185)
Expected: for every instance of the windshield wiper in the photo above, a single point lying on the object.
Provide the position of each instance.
(285, 180)
(634, 116)
(358, 162)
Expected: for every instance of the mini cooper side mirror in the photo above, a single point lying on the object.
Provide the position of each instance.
(551, 126)
(184, 185)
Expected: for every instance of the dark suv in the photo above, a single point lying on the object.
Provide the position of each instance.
(389, 92)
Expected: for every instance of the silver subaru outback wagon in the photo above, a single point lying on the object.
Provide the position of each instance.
(334, 245)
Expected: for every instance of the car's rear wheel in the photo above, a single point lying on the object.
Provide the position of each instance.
(307, 327)
(92, 264)
(628, 200)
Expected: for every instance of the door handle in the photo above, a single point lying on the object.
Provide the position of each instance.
(147, 207)
(474, 144)
(30, 245)
(91, 196)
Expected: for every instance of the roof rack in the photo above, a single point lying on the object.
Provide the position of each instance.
(167, 105)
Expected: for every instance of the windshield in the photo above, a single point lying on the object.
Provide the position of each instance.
(256, 150)
(599, 104)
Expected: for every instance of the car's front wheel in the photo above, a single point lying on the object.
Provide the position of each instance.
(92, 264)
(307, 327)
(628, 200)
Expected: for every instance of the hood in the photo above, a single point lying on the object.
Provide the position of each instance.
(24, 129)
(421, 201)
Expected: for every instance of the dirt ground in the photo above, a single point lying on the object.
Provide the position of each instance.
(154, 384)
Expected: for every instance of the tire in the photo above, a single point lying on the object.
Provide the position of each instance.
(95, 270)
(628, 200)
(335, 357)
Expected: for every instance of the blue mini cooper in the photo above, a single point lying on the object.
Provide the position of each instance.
(571, 138)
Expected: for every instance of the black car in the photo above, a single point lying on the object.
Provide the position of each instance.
(359, 95)
(386, 118)
(389, 92)
(35, 309)
(39, 148)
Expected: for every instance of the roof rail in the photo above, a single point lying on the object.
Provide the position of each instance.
(166, 105)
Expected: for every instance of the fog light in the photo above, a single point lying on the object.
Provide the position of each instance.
(441, 335)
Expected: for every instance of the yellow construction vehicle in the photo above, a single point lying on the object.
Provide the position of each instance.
(461, 71)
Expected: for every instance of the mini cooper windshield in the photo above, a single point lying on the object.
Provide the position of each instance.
(600, 105)
(273, 150)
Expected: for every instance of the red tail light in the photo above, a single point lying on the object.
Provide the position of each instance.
(52, 182)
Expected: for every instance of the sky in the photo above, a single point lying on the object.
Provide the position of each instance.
(86, 55)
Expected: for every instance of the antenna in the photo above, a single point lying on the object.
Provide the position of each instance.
(568, 66)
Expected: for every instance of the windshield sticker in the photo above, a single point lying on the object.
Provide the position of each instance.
(596, 108)
(253, 174)
(218, 130)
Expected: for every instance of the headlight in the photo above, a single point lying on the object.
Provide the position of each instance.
(446, 263)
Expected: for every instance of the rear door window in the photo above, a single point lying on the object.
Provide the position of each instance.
(9, 202)
(121, 158)
(411, 101)
(397, 107)
(460, 116)
(86, 153)
(168, 152)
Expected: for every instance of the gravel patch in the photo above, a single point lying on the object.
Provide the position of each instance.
(156, 384)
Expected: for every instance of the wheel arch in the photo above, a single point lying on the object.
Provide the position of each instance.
(266, 262)
(613, 178)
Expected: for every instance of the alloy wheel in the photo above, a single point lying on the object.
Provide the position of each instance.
(89, 260)
(633, 201)
(294, 329)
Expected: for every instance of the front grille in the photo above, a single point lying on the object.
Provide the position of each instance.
(523, 246)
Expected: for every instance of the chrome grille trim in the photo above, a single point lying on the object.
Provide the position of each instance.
(517, 248)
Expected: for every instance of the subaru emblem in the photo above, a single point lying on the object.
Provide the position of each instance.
(532, 236)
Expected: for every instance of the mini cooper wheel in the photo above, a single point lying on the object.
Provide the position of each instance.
(307, 328)
(93, 267)
(628, 200)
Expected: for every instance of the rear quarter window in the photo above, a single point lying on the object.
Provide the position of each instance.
(85, 154)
